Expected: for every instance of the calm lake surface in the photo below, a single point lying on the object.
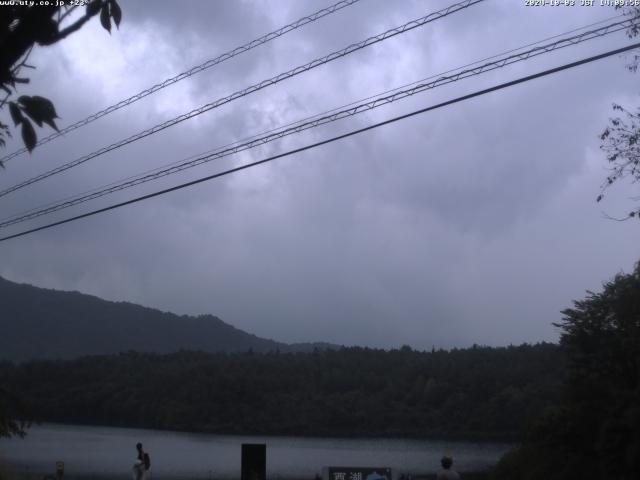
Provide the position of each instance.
(110, 452)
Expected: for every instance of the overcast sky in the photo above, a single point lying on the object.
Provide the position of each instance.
(475, 223)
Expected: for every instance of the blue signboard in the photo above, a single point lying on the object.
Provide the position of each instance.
(359, 473)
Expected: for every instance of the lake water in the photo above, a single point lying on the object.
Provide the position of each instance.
(110, 452)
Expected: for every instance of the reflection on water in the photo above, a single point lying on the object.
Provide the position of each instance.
(110, 452)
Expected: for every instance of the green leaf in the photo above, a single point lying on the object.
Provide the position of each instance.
(47, 106)
(46, 32)
(40, 110)
(48, 110)
(36, 119)
(51, 123)
(16, 114)
(28, 135)
(116, 13)
(104, 17)
(93, 7)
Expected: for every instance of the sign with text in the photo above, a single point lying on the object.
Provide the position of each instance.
(359, 473)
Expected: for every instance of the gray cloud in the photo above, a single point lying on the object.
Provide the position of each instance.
(471, 224)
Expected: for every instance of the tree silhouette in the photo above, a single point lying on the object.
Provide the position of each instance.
(620, 138)
(14, 415)
(595, 432)
(22, 27)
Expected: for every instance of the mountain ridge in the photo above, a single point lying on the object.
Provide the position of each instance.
(40, 323)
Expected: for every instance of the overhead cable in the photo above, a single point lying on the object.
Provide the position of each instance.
(254, 88)
(330, 140)
(315, 122)
(192, 71)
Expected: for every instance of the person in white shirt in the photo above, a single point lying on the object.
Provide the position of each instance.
(446, 473)
(138, 466)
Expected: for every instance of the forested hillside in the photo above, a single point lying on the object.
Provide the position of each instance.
(479, 392)
(42, 323)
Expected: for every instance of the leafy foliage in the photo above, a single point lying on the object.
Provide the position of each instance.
(23, 26)
(38, 109)
(595, 432)
(621, 143)
(620, 138)
(480, 392)
(633, 31)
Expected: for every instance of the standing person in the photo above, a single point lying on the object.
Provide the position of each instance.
(446, 473)
(139, 466)
(146, 462)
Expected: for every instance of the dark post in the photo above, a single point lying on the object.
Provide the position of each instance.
(254, 461)
(59, 470)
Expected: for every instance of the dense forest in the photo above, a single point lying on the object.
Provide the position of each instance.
(575, 407)
(479, 393)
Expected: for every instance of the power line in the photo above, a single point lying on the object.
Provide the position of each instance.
(142, 177)
(317, 121)
(332, 139)
(192, 71)
(254, 88)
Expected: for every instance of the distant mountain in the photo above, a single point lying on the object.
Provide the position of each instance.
(43, 323)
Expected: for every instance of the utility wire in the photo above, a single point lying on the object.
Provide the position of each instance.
(599, 22)
(192, 71)
(58, 204)
(176, 167)
(254, 88)
(332, 139)
(305, 125)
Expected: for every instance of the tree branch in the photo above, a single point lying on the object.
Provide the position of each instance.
(65, 14)
(68, 31)
(609, 217)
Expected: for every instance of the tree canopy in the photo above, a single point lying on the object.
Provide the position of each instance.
(595, 432)
(474, 393)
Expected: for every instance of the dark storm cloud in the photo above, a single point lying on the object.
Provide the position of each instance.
(471, 224)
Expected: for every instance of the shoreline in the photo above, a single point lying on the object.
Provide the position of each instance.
(12, 471)
(19, 474)
(512, 439)
(101, 453)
